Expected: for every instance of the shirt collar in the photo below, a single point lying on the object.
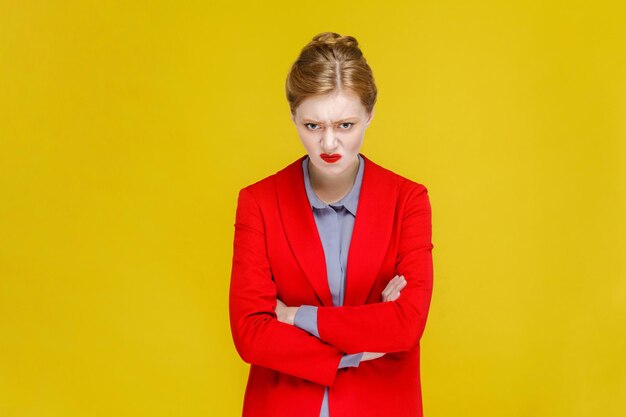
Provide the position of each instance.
(349, 201)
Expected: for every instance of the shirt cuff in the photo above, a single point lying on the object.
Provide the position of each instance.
(306, 319)
(352, 360)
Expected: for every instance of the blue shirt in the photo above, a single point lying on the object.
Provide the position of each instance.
(334, 224)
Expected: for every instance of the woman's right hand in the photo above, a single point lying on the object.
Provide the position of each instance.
(390, 293)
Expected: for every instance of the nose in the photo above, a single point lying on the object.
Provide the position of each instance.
(328, 141)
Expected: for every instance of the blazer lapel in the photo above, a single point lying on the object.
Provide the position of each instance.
(300, 228)
(372, 232)
(370, 236)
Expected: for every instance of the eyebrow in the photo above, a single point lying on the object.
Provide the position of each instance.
(307, 120)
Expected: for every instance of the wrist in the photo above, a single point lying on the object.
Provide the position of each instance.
(292, 316)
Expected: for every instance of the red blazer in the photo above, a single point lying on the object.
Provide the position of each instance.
(277, 253)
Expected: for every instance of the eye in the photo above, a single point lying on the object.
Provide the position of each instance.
(346, 123)
(308, 125)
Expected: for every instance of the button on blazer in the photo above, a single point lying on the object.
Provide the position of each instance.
(277, 253)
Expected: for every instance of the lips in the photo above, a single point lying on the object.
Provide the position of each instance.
(330, 158)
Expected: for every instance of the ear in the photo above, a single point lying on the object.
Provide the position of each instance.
(369, 120)
(293, 117)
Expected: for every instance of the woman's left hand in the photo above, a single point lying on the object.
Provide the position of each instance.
(285, 314)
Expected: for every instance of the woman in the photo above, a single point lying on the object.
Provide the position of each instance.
(326, 305)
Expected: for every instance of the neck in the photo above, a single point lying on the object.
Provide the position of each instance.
(331, 188)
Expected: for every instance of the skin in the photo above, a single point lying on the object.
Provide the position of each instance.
(334, 123)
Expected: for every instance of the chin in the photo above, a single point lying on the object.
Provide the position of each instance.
(325, 165)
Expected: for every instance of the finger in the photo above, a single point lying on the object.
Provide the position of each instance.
(394, 280)
(390, 285)
(387, 292)
(396, 286)
(401, 284)
(397, 279)
(394, 296)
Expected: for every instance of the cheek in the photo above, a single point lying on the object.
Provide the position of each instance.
(354, 140)
(307, 140)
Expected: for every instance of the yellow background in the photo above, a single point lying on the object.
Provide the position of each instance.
(127, 129)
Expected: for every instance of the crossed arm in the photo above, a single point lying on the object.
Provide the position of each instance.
(389, 326)
(305, 318)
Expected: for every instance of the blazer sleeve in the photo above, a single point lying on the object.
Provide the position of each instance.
(306, 319)
(258, 336)
(391, 326)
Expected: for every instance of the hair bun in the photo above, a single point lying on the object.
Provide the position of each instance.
(332, 39)
(330, 62)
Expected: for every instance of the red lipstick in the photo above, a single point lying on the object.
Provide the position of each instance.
(330, 158)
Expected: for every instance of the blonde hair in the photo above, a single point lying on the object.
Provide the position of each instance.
(328, 63)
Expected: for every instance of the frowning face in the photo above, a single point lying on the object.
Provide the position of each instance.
(332, 128)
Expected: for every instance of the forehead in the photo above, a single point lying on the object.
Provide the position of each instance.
(331, 107)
